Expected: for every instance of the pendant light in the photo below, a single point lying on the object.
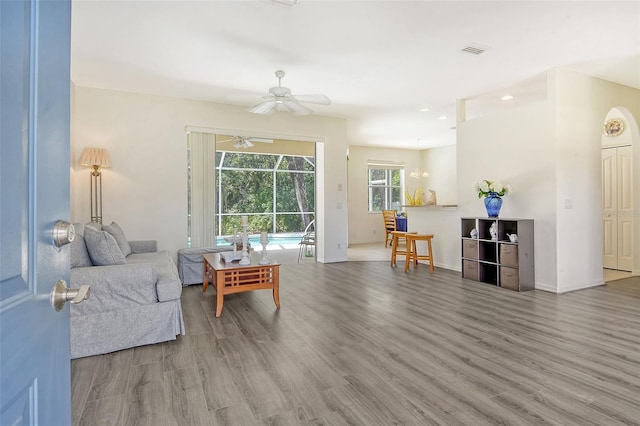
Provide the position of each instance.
(418, 172)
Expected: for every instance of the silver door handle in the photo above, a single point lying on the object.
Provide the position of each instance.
(61, 294)
(63, 233)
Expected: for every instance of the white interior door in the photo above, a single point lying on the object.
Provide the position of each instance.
(35, 383)
(617, 205)
(609, 206)
(625, 207)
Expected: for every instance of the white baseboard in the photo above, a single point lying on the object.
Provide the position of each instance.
(553, 289)
(546, 287)
(581, 287)
(333, 260)
(449, 267)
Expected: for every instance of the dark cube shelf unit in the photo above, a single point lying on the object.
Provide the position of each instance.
(499, 262)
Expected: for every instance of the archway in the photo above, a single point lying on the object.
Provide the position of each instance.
(620, 194)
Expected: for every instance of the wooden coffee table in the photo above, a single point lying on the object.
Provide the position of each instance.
(230, 277)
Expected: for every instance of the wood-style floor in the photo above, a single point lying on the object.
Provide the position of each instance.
(360, 343)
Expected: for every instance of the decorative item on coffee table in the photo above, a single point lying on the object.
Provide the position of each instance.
(246, 260)
(235, 240)
(264, 241)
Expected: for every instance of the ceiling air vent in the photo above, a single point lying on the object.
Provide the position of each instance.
(474, 49)
(289, 3)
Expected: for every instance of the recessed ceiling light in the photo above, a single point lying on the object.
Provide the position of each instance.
(424, 109)
(442, 117)
(507, 97)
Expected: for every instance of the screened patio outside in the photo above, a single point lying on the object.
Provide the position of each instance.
(275, 190)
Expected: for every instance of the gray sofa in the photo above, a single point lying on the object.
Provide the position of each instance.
(191, 263)
(134, 299)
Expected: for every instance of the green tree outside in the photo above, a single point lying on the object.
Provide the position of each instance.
(247, 183)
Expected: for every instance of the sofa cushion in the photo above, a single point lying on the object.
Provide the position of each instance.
(79, 254)
(115, 287)
(103, 248)
(117, 232)
(143, 246)
(94, 225)
(168, 286)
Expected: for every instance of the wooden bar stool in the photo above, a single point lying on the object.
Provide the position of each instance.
(396, 236)
(412, 250)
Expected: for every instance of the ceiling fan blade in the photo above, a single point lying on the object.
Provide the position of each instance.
(261, 140)
(227, 140)
(297, 108)
(265, 107)
(313, 99)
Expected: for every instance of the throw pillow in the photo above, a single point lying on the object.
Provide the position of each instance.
(79, 254)
(94, 225)
(115, 230)
(103, 248)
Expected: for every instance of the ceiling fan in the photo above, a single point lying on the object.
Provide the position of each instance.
(281, 96)
(245, 141)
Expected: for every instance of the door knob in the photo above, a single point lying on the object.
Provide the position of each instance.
(63, 233)
(61, 294)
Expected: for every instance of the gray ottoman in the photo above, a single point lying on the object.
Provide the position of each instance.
(191, 263)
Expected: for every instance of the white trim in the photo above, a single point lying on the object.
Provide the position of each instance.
(582, 287)
(335, 260)
(546, 287)
(553, 289)
(448, 267)
(385, 164)
(253, 134)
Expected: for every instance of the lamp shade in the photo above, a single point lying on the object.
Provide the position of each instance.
(95, 157)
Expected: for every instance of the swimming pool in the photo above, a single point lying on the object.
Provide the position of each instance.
(276, 241)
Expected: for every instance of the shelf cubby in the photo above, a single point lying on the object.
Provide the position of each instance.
(488, 273)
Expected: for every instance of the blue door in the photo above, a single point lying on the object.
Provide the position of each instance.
(35, 380)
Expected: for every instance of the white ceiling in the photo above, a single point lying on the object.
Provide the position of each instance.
(378, 61)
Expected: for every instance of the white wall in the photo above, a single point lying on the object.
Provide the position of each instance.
(441, 164)
(583, 103)
(145, 190)
(444, 224)
(549, 152)
(365, 227)
(515, 147)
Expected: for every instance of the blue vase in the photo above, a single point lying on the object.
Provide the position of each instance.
(493, 203)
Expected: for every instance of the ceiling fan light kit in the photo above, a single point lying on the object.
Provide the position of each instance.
(243, 142)
(280, 98)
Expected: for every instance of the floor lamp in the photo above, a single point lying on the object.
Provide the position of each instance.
(97, 159)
